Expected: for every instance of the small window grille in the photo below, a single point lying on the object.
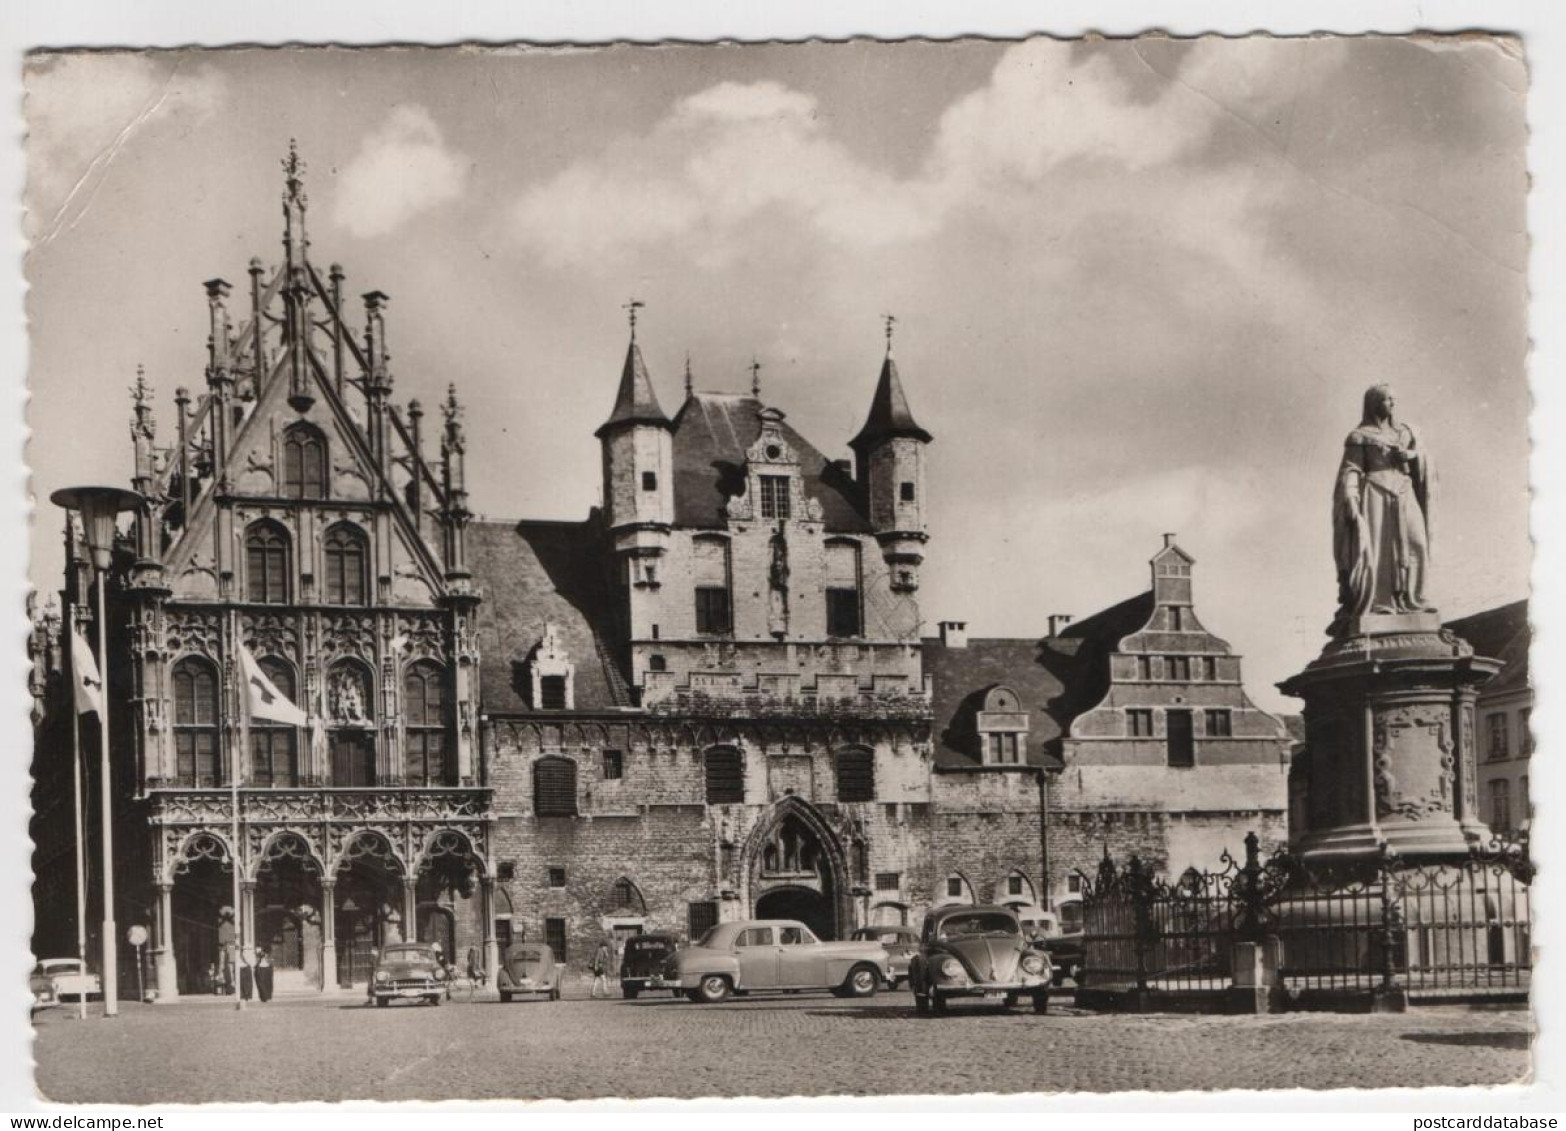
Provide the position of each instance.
(856, 775)
(887, 881)
(557, 877)
(725, 777)
(554, 787)
(614, 765)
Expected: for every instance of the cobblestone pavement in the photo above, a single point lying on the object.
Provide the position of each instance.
(341, 1050)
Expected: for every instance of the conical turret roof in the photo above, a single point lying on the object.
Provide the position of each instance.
(635, 403)
(889, 412)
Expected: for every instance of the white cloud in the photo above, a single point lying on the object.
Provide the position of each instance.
(84, 107)
(402, 169)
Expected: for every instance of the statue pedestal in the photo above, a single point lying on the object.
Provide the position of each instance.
(1390, 741)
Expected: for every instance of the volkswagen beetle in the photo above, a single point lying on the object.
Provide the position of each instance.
(410, 971)
(981, 952)
(761, 955)
(530, 968)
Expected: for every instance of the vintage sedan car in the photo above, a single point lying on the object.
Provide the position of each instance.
(977, 952)
(530, 970)
(1066, 952)
(900, 944)
(641, 966)
(62, 979)
(408, 971)
(764, 955)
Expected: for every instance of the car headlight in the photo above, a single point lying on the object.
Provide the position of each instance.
(1032, 964)
(382, 976)
(951, 968)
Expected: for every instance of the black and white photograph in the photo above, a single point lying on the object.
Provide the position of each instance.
(698, 570)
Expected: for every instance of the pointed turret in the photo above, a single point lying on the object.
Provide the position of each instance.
(890, 470)
(638, 447)
(635, 403)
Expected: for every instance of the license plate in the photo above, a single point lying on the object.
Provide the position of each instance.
(994, 995)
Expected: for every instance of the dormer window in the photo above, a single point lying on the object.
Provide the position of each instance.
(649, 481)
(1003, 729)
(907, 491)
(553, 674)
(774, 496)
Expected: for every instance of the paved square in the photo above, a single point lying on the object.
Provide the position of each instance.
(814, 1045)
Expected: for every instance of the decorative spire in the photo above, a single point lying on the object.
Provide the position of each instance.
(452, 411)
(634, 402)
(690, 384)
(631, 308)
(294, 167)
(755, 377)
(889, 412)
(295, 241)
(141, 397)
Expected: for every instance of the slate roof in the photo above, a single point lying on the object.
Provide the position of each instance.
(1056, 679)
(889, 411)
(711, 434)
(1502, 633)
(635, 402)
(537, 573)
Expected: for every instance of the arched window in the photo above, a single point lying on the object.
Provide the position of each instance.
(274, 747)
(424, 708)
(626, 900)
(351, 707)
(855, 775)
(196, 723)
(346, 552)
(958, 889)
(725, 776)
(1015, 889)
(554, 787)
(304, 463)
(266, 564)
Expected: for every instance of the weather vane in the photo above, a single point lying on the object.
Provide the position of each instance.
(690, 386)
(890, 320)
(632, 307)
(755, 377)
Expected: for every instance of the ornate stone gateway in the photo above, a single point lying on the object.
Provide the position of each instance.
(1389, 703)
(798, 870)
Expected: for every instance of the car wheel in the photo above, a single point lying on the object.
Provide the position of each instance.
(1011, 1001)
(433, 999)
(1040, 1001)
(921, 1005)
(382, 1002)
(863, 981)
(937, 1004)
(1059, 978)
(630, 992)
(554, 994)
(713, 989)
(505, 996)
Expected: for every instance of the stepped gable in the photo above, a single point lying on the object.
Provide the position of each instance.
(711, 434)
(533, 574)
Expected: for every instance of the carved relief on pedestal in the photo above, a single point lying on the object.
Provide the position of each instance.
(1470, 768)
(269, 635)
(348, 634)
(422, 636)
(1414, 763)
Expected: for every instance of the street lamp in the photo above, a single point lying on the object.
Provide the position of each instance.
(99, 507)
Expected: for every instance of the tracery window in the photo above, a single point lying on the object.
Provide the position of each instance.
(196, 723)
(304, 463)
(346, 554)
(424, 707)
(266, 564)
(274, 747)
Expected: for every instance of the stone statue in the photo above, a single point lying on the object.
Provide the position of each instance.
(1381, 517)
(777, 580)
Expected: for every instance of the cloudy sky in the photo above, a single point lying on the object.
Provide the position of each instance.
(1141, 285)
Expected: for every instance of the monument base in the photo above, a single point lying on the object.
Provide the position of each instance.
(1390, 742)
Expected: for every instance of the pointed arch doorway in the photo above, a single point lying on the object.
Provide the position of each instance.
(798, 870)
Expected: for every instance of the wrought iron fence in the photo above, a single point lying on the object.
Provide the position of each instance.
(1431, 929)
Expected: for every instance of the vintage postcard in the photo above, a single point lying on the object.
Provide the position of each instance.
(796, 569)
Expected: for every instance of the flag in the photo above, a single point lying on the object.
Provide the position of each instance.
(89, 684)
(264, 699)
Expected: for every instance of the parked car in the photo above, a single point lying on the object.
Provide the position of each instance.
(900, 944)
(641, 966)
(1046, 932)
(410, 971)
(62, 979)
(760, 955)
(968, 951)
(530, 969)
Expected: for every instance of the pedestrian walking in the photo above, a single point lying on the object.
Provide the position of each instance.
(603, 958)
(264, 974)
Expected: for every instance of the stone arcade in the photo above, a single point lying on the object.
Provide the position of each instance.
(708, 699)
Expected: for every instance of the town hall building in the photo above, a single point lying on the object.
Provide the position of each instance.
(712, 697)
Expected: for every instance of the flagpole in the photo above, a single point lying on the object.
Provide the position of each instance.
(233, 781)
(76, 816)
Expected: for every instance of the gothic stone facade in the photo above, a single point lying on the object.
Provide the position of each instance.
(709, 699)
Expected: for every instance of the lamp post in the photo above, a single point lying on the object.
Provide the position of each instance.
(99, 507)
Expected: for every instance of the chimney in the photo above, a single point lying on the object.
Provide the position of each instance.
(954, 633)
(1168, 540)
(1058, 621)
